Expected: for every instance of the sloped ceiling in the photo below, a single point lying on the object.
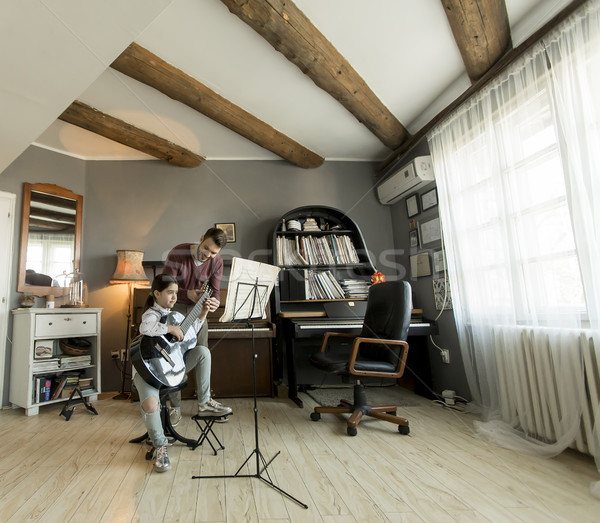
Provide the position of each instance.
(60, 53)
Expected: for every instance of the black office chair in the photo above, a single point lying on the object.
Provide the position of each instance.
(379, 350)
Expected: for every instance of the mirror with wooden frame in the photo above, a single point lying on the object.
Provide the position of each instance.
(50, 239)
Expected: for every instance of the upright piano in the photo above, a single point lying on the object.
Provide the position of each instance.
(303, 328)
(232, 355)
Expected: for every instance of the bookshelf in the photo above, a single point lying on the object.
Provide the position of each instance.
(37, 357)
(324, 259)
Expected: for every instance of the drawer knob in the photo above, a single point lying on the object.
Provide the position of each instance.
(49, 323)
(68, 319)
(85, 322)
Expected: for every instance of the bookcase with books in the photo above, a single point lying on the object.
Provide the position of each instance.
(323, 257)
(54, 352)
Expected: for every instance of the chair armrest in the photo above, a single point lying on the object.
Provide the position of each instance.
(401, 358)
(328, 335)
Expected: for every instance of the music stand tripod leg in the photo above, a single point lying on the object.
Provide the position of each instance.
(256, 452)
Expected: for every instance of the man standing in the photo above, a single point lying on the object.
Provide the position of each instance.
(193, 264)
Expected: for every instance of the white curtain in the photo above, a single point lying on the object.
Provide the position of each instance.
(518, 174)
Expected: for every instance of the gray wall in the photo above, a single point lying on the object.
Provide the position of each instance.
(444, 376)
(151, 206)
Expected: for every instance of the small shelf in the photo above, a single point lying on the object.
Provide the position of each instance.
(34, 325)
(323, 282)
(84, 393)
(60, 370)
(327, 266)
(314, 233)
(323, 301)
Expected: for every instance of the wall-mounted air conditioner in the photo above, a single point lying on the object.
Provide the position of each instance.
(409, 178)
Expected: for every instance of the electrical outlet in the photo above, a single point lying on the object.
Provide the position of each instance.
(445, 355)
(114, 354)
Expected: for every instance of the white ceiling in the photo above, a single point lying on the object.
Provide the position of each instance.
(60, 52)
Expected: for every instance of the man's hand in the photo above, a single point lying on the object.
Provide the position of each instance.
(194, 294)
(212, 304)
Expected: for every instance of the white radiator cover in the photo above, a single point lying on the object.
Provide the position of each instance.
(528, 373)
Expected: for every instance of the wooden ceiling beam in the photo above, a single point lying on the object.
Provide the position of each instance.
(290, 32)
(490, 75)
(86, 117)
(140, 64)
(481, 31)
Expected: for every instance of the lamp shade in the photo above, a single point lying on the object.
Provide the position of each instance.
(129, 268)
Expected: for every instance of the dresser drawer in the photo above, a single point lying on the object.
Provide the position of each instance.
(54, 325)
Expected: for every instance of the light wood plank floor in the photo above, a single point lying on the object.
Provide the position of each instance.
(85, 470)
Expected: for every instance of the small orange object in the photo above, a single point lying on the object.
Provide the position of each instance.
(378, 277)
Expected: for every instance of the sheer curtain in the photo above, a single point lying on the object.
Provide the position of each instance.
(518, 174)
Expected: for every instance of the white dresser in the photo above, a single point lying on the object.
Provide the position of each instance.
(43, 329)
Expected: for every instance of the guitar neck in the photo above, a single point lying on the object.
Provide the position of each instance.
(195, 312)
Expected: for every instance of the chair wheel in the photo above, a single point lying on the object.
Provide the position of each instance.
(352, 431)
(315, 416)
(149, 453)
(404, 429)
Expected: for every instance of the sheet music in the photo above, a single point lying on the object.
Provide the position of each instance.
(248, 291)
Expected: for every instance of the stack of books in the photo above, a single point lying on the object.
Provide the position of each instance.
(69, 362)
(316, 250)
(322, 285)
(86, 385)
(310, 224)
(64, 385)
(45, 364)
(355, 289)
(41, 389)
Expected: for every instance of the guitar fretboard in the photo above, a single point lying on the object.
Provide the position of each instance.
(195, 312)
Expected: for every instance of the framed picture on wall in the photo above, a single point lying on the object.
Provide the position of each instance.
(413, 236)
(420, 265)
(430, 231)
(228, 229)
(439, 261)
(412, 205)
(429, 199)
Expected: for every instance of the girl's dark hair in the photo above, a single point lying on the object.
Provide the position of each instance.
(160, 283)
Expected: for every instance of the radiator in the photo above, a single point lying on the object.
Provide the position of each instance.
(528, 373)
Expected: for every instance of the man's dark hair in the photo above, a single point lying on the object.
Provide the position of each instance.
(218, 236)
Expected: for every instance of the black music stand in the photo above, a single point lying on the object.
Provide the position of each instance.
(250, 300)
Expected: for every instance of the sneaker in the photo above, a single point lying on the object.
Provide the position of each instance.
(162, 463)
(174, 416)
(213, 408)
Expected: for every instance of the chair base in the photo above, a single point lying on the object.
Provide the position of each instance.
(360, 408)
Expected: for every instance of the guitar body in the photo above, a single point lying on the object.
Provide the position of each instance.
(160, 361)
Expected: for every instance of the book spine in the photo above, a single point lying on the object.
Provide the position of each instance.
(47, 385)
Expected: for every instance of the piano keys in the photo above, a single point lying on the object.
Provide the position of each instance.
(304, 329)
(262, 329)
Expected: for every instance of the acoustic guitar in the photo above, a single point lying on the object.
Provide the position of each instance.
(159, 359)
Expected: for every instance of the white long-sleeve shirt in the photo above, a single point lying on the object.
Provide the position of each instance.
(151, 326)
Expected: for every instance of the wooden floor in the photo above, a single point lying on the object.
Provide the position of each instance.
(85, 470)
